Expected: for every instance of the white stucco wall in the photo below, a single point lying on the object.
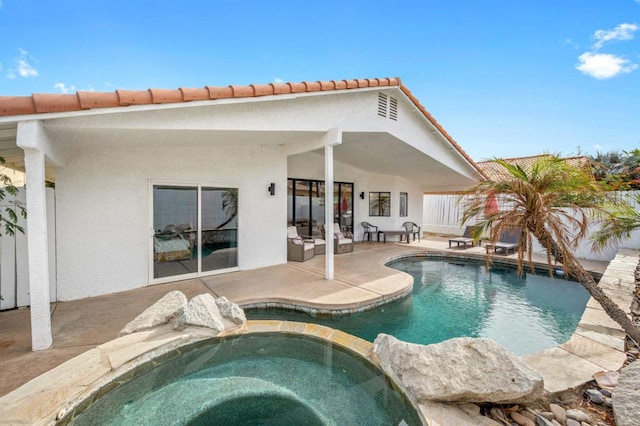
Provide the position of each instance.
(103, 209)
(311, 166)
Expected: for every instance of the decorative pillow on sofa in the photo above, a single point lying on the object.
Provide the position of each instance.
(338, 235)
(297, 240)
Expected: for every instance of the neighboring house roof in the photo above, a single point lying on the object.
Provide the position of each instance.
(495, 172)
(39, 103)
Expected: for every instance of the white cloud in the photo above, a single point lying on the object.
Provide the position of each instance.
(23, 66)
(25, 69)
(278, 80)
(604, 65)
(63, 88)
(621, 32)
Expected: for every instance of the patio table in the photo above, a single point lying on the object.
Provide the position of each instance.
(402, 233)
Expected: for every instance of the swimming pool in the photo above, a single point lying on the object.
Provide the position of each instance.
(262, 378)
(455, 298)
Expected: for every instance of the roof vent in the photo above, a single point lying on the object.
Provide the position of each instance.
(383, 101)
(393, 109)
(387, 107)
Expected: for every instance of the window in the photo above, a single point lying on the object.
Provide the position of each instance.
(305, 205)
(379, 204)
(404, 204)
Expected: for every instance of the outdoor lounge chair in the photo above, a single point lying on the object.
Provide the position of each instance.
(369, 230)
(413, 228)
(466, 238)
(508, 241)
(299, 249)
(342, 242)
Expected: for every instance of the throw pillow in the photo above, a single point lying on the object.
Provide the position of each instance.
(297, 240)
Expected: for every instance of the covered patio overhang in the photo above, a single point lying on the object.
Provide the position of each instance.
(373, 152)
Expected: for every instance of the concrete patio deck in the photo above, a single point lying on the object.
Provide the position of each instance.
(362, 279)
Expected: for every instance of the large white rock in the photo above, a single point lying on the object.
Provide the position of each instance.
(161, 312)
(201, 311)
(462, 369)
(206, 311)
(626, 395)
(232, 314)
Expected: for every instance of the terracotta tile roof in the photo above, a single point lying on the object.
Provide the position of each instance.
(48, 103)
(496, 172)
(39, 103)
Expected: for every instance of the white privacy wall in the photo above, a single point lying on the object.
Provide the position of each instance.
(443, 214)
(103, 203)
(311, 166)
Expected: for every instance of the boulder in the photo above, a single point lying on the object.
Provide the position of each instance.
(204, 311)
(201, 311)
(462, 369)
(161, 312)
(626, 396)
(232, 314)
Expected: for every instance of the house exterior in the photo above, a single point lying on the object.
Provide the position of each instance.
(160, 185)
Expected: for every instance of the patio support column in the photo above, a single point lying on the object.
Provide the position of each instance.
(334, 137)
(29, 136)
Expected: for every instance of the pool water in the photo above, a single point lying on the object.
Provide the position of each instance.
(257, 379)
(461, 298)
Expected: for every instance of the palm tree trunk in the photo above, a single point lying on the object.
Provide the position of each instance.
(577, 271)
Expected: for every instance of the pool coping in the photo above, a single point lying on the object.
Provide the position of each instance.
(598, 344)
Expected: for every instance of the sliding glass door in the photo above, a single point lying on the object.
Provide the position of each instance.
(195, 230)
(306, 200)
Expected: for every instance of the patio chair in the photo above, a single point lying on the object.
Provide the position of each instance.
(342, 242)
(413, 228)
(466, 238)
(369, 230)
(508, 241)
(299, 249)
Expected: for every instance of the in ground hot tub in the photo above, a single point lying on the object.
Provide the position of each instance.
(262, 378)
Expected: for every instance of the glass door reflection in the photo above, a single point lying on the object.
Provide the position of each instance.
(219, 236)
(175, 221)
(195, 230)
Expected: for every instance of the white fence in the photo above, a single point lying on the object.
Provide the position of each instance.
(14, 266)
(443, 215)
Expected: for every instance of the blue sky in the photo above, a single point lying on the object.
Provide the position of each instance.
(506, 78)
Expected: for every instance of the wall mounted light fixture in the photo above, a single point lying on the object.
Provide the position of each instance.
(272, 189)
(362, 195)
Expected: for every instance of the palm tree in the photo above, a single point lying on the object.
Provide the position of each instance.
(229, 205)
(618, 224)
(549, 201)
